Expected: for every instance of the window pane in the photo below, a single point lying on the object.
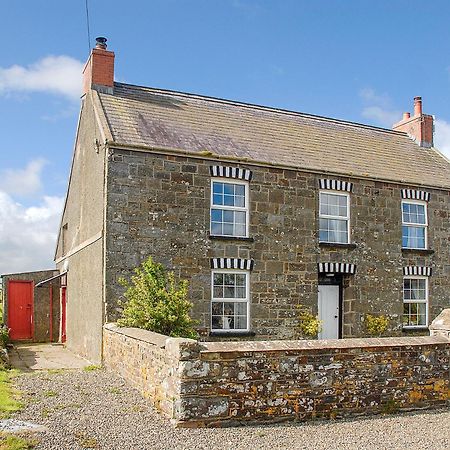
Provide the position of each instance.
(239, 230)
(216, 323)
(414, 213)
(218, 278)
(217, 308)
(239, 201)
(333, 230)
(333, 205)
(228, 200)
(216, 228)
(240, 190)
(228, 216)
(217, 199)
(240, 308)
(216, 215)
(240, 279)
(241, 322)
(239, 217)
(228, 189)
(217, 188)
(413, 237)
(227, 230)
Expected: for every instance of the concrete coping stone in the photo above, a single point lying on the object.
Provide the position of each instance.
(312, 345)
(149, 337)
(442, 321)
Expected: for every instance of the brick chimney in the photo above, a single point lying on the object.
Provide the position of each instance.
(98, 73)
(420, 127)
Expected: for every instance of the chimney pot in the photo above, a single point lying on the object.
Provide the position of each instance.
(417, 106)
(406, 115)
(100, 42)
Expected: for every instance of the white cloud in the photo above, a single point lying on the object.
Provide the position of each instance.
(370, 96)
(442, 136)
(379, 108)
(25, 181)
(28, 234)
(54, 74)
(383, 117)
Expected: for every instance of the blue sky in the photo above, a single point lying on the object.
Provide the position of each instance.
(356, 60)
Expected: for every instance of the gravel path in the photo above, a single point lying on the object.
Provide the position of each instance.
(98, 410)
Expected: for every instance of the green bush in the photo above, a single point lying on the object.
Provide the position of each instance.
(376, 325)
(155, 302)
(308, 324)
(4, 335)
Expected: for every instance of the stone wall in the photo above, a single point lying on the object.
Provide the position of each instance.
(149, 362)
(158, 205)
(227, 383)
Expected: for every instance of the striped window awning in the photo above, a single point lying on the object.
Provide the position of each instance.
(336, 268)
(231, 172)
(417, 270)
(335, 185)
(232, 263)
(412, 194)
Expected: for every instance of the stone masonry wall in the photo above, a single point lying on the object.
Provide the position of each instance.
(228, 383)
(159, 205)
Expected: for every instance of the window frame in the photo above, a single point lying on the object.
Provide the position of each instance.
(416, 225)
(426, 301)
(327, 216)
(245, 300)
(245, 209)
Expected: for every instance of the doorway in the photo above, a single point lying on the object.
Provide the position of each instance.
(329, 306)
(20, 310)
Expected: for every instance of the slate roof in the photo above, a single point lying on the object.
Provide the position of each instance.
(154, 118)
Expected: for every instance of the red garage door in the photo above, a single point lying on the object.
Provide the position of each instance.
(20, 309)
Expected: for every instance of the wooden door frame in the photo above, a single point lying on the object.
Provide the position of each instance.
(32, 304)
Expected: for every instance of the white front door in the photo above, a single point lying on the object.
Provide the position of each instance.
(329, 311)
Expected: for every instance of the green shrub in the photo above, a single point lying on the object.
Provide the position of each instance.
(4, 335)
(155, 302)
(309, 325)
(376, 325)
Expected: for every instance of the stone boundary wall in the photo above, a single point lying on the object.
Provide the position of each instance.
(229, 383)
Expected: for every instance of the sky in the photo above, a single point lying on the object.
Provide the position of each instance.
(356, 60)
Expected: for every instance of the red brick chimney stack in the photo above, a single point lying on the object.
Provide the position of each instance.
(98, 73)
(420, 127)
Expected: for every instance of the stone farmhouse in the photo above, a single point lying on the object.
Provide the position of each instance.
(260, 208)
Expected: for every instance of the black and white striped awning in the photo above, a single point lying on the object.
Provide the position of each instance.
(335, 185)
(415, 195)
(337, 268)
(417, 270)
(232, 263)
(231, 172)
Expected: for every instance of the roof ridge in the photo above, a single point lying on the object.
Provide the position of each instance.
(265, 108)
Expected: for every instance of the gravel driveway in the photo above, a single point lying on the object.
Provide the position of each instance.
(96, 409)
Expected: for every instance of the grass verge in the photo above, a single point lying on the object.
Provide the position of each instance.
(10, 403)
(8, 396)
(14, 442)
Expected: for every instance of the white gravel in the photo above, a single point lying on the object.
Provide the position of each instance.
(98, 410)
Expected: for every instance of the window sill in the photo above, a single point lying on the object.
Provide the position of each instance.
(336, 245)
(215, 237)
(418, 251)
(412, 329)
(232, 333)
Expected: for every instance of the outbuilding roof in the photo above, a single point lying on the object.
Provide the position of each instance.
(160, 119)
